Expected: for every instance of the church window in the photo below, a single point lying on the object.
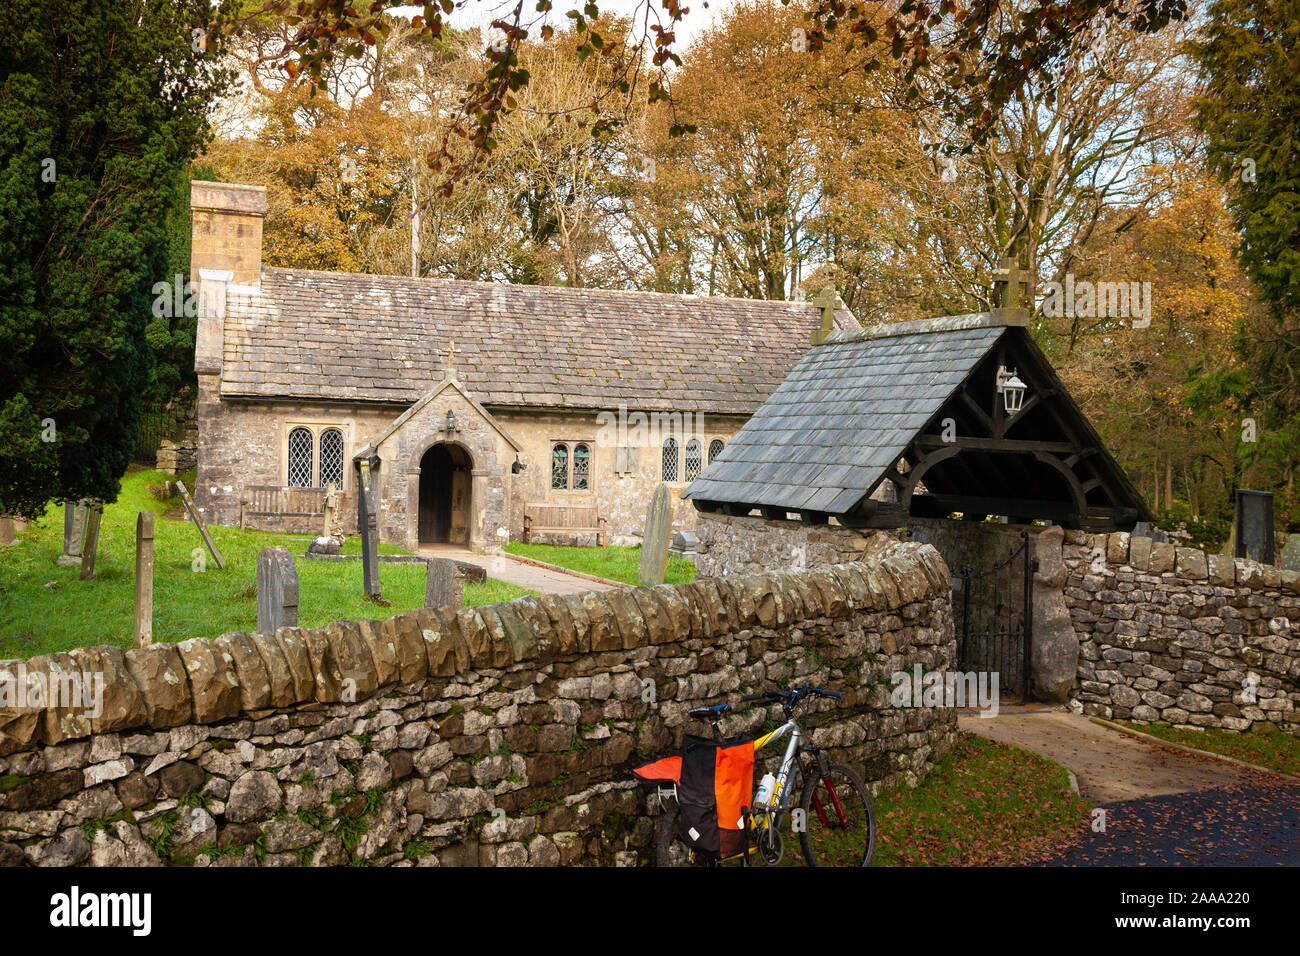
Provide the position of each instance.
(670, 459)
(694, 453)
(715, 449)
(300, 458)
(581, 467)
(560, 467)
(331, 457)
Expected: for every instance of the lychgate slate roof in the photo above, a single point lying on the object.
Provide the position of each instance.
(841, 417)
(344, 336)
(916, 404)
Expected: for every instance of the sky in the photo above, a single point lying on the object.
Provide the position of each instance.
(481, 12)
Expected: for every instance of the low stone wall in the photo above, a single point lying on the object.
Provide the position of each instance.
(1174, 635)
(499, 735)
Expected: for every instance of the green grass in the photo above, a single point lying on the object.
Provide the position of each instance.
(614, 563)
(985, 804)
(45, 608)
(1263, 744)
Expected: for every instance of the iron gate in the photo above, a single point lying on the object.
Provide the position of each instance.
(995, 615)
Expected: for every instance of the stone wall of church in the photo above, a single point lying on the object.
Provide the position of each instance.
(242, 444)
(622, 496)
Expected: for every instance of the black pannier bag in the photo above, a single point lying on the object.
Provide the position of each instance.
(716, 787)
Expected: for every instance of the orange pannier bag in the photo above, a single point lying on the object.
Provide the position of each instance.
(715, 790)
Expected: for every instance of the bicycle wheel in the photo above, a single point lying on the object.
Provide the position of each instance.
(671, 849)
(840, 819)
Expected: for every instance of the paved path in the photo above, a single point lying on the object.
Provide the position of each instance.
(505, 568)
(1108, 765)
(1163, 807)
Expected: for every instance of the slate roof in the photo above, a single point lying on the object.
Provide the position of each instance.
(331, 335)
(846, 412)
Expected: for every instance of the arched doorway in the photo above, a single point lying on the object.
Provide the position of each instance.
(444, 495)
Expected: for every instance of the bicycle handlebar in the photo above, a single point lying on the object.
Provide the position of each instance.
(788, 698)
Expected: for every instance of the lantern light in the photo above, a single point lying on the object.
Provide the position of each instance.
(1012, 389)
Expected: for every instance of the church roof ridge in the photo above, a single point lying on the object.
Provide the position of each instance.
(806, 304)
(992, 319)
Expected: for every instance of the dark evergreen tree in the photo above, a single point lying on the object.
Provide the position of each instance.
(1250, 112)
(103, 103)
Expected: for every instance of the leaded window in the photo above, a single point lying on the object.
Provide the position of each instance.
(694, 454)
(331, 457)
(670, 459)
(300, 458)
(715, 449)
(560, 467)
(581, 467)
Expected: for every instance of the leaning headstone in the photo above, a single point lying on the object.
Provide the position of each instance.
(658, 530)
(143, 632)
(1254, 526)
(442, 586)
(6, 530)
(368, 525)
(277, 590)
(1291, 553)
(203, 528)
(90, 540)
(74, 527)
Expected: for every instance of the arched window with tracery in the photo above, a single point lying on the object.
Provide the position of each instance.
(581, 467)
(694, 456)
(300, 458)
(715, 449)
(560, 467)
(670, 459)
(331, 457)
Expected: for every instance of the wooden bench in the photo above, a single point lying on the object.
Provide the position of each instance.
(570, 519)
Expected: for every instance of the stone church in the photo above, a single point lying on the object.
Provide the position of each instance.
(480, 409)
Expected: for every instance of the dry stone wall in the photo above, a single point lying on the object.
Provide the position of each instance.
(1175, 635)
(501, 735)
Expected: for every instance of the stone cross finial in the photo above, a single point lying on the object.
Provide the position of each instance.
(451, 356)
(1007, 279)
(826, 301)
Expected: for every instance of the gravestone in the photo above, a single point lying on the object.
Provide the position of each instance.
(1159, 537)
(90, 540)
(277, 590)
(442, 586)
(684, 545)
(658, 530)
(6, 530)
(330, 507)
(143, 632)
(1291, 553)
(1254, 526)
(1141, 530)
(198, 523)
(74, 528)
(368, 525)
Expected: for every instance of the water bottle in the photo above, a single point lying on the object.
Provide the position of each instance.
(764, 795)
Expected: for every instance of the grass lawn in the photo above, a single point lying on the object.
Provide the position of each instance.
(614, 563)
(985, 804)
(45, 608)
(1263, 744)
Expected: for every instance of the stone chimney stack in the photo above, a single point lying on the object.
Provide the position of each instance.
(227, 230)
(225, 257)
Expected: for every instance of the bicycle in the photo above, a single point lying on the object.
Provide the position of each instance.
(837, 823)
